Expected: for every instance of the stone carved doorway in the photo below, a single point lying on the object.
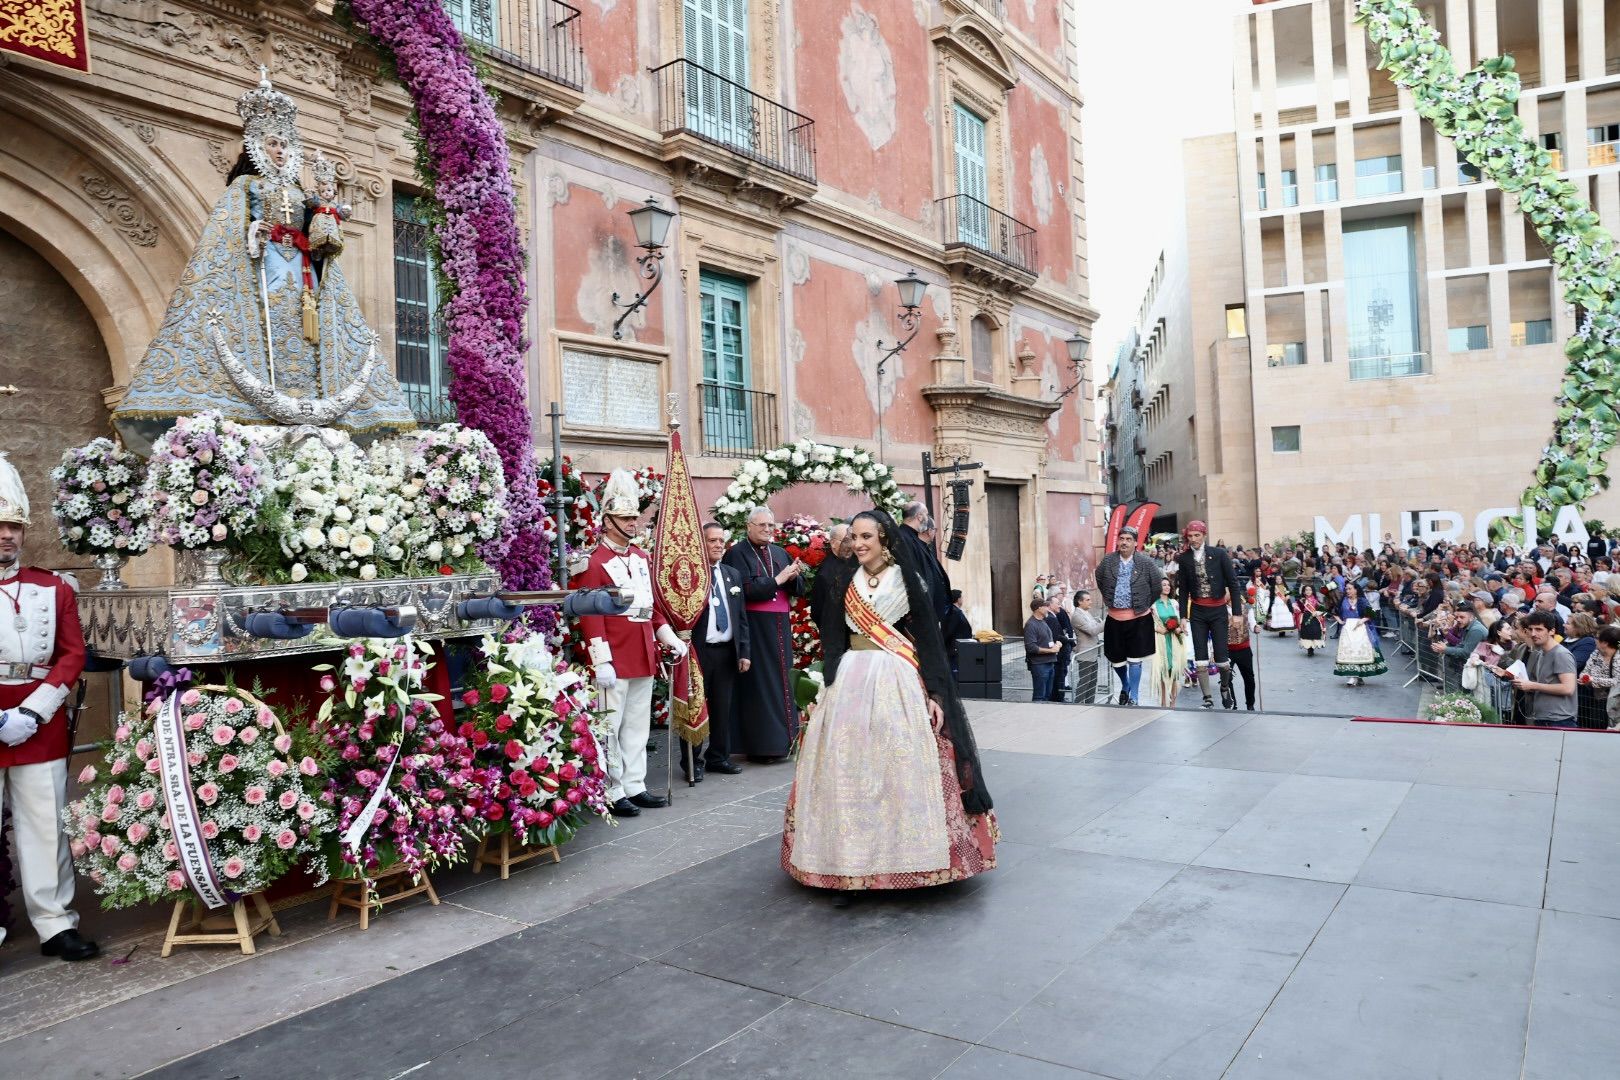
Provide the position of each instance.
(52, 352)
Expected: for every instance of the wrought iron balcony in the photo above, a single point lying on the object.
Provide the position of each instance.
(541, 37)
(692, 100)
(737, 423)
(976, 226)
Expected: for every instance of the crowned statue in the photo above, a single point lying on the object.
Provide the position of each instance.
(263, 327)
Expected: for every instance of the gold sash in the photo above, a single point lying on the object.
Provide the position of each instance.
(871, 624)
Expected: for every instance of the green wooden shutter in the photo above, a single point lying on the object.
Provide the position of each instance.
(972, 222)
(715, 34)
(727, 414)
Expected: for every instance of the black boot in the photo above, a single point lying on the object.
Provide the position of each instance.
(1228, 696)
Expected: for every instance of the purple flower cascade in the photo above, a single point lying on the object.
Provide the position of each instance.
(481, 256)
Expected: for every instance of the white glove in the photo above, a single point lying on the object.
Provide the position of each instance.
(16, 727)
(668, 637)
(606, 676)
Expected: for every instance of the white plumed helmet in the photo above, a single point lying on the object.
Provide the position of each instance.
(13, 499)
(621, 498)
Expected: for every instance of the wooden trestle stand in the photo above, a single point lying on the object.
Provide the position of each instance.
(510, 854)
(362, 894)
(235, 927)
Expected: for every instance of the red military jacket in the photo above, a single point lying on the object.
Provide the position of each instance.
(629, 638)
(51, 643)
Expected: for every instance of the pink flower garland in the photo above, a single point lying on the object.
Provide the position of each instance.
(482, 256)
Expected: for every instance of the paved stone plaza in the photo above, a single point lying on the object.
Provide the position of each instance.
(1180, 895)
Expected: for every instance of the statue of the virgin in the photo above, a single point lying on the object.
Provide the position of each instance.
(263, 326)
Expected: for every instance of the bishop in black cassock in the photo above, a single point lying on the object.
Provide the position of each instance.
(765, 716)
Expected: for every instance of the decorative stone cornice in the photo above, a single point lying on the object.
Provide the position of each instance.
(969, 38)
(968, 408)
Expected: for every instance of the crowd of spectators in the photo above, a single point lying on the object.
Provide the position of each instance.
(1487, 608)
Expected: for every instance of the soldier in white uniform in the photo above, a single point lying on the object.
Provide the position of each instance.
(41, 656)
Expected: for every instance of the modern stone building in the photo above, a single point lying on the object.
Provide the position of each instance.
(812, 152)
(1399, 340)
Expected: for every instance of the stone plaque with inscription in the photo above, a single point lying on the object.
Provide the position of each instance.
(600, 390)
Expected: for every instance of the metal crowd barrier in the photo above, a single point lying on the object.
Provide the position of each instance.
(1091, 674)
(1592, 708)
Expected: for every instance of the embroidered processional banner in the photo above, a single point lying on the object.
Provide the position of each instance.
(52, 31)
(681, 588)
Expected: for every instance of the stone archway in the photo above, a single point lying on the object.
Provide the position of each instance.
(52, 352)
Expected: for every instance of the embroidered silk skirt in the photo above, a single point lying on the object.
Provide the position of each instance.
(875, 801)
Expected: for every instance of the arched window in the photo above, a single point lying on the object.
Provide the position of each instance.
(983, 343)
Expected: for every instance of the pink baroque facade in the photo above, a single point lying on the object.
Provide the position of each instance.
(813, 151)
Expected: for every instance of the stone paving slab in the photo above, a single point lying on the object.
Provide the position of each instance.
(1271, 898)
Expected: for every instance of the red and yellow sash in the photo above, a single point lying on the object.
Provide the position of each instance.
(871, 624)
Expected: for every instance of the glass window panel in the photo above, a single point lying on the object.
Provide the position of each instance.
(1237, 321)
(1378, 175)
(1285, 440)
(1532, 332)
(1381, 289)
(1468, 338)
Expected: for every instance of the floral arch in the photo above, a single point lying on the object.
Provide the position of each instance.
(806, 462)
(1479, 111)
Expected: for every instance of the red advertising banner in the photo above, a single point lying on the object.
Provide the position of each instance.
(51, 31)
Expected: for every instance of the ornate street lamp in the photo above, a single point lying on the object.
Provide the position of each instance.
(911, 289)
(651, 222)
(1078, 345)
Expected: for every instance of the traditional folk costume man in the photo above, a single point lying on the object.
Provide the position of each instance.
(1209, 596)
(1129, 582)
(723, 654)
(622, 648)
(767, 715)
(41, 656)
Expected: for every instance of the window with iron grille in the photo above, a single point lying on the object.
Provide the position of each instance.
(420, 349)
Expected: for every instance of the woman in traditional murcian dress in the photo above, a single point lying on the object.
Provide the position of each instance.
(889, 792)
(1308, 612)
(1275, 606)
(1170, 644)
(1359, 655)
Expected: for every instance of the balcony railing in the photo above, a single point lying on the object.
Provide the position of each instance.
(429, 407)
(539, 36)
(695, 100)
(1395, 366)
(1602, 153)
(737, 423)
(969, 222)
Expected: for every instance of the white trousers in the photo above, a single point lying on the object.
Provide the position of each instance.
(44, 864)
(629, 709)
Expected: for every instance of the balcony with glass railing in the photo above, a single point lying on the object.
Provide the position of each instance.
(1394, 366)
(1603, 153)
(1285, 354)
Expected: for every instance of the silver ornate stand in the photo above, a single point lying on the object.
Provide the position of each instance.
(110, 565)
(201, 623)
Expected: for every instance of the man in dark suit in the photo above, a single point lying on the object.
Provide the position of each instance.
(914, 524)
(1057, 601)
(1210, 595)
(838, 555)
(956, 628)
(721, 640)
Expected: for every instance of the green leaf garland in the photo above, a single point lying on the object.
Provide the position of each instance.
(1479, 111)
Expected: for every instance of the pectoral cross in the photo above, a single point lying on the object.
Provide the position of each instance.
(286, 208)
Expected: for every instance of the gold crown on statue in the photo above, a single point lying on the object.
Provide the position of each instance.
(266, 111)
(13, 499)
(621, 497)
